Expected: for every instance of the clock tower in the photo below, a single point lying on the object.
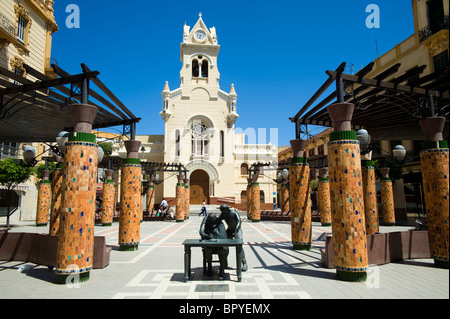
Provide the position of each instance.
(199, 120)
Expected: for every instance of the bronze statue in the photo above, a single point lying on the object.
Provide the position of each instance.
(210, 229)
(234, 230)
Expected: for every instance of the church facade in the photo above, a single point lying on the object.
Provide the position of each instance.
(199, 131)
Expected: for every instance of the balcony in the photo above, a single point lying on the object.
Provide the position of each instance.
(7, 30)
(432, 29)
(8, 34)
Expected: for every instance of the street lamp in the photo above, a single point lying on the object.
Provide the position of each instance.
(61, 141)
(29, 155)
(399, 153)
(364, 141)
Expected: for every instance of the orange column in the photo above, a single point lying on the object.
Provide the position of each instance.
(44, 200)
(284, 196)
(108, 197)
(180, 200)
(387, 198)
(299, 176)
(249, 199)
(255, 204)
(56, 199)
(187, 194)
(434, 161)
(370, 198)
(347, 199)
(75, 250)
(130, 202)
(151, 198)
(324, 197)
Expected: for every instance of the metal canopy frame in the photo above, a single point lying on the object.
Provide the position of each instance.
(36, 111)
(388, 109)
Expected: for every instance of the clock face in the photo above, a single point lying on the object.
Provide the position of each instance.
(200, 35)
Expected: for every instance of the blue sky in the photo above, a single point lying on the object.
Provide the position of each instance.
(275, 52)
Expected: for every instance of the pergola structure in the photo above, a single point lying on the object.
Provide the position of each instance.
(388, 109)
(37, 110)
(406, 107)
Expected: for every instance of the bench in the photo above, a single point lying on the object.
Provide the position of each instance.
(275, 215)
(41, 249)
(151, 217)
(386, 248)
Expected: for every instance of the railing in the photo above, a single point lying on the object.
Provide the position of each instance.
(429, 30)
(7, 26)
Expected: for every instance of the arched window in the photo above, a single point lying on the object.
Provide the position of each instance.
(177, 143)
(205, 65)
(244, 169)
(200, 138)
(222, 144)
(195, 68)
(262, 200)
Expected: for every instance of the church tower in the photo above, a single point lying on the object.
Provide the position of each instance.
(199, 120)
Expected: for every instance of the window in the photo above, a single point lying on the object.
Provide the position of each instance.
(244, 169)
(436, 15)
(321, 150)
(440, 61)
(222, 144)
(21, 28)
(18, 72)
(9, 150)
(205, 65)
(311, 152)
(200, 139)
(177, 143)
(23, 25)
(195, 69)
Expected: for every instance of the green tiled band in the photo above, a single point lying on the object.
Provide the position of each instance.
(133, 161)
(299, 160)
(434, 144)
(343, 135)
(82, 137)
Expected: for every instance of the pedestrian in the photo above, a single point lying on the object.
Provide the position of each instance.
(203, 211)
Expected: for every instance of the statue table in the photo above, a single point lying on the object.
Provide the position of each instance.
(189, 243)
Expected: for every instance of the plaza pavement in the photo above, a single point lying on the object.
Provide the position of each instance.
(156, 270)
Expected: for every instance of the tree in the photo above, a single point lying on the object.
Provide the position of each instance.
(107, 148)
(11, 175)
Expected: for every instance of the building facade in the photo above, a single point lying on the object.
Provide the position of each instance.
(26, 30)
(199, 131)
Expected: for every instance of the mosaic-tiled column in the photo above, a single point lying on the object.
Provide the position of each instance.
(130, 199)
(150, 197)
(387, 198)
(284, 197)
(77, 220)
(55, 210)
(255, 204)
(370, 197)
(187, 198)
(324, 197)
(180, 202)
(434, 161)
(108, 198)
(299, 176)
(249, 199)
(347, 198)
(44, 200)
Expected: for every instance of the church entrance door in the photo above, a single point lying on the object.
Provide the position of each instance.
(199, 187)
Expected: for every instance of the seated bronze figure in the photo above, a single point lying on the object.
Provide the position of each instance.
(212, 228)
